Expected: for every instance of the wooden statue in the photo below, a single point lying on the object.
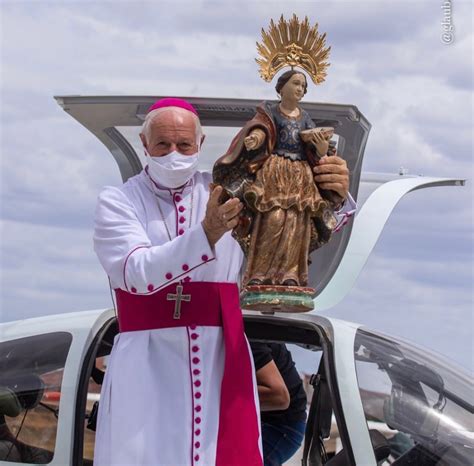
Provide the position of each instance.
(269, 167)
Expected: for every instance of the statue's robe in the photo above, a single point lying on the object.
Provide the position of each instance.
(176, 391)
(286, 215)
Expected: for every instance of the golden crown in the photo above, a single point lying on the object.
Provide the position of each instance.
(293, 43)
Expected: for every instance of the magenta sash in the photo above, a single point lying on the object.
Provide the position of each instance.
(212, 304)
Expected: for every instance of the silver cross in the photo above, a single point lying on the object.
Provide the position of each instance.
(178, 297)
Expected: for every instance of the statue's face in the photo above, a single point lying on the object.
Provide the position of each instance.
(294, 88)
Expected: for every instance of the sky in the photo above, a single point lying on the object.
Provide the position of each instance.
(388, 58)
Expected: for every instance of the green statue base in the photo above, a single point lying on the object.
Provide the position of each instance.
(269, 299)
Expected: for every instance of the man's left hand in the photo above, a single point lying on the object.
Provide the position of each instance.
(332, 173)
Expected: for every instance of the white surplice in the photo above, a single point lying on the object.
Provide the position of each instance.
(146, 411)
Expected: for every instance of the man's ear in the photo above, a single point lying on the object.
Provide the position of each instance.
(142, 138)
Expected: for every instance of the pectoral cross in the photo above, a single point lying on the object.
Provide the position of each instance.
(178, 297)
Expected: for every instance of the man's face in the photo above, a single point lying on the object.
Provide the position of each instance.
(171, 130)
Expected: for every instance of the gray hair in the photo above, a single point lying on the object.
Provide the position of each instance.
(150, 116)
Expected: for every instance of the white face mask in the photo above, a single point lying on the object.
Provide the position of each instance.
(172, 170)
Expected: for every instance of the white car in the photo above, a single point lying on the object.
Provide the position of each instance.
(392, 402)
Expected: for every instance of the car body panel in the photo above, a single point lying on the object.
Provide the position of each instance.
(334, 337)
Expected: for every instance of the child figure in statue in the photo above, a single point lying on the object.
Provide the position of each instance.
(269, 166)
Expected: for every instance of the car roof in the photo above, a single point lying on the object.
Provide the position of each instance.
(66, 322)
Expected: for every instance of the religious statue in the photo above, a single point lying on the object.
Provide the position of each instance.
(269, 167)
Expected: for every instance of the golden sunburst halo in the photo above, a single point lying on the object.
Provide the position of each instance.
(293, 43)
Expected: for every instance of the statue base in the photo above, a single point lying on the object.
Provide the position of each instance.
(269, 299)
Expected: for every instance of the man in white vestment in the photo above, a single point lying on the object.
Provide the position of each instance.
(180, 387)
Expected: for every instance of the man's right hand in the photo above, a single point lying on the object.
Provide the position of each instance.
(220, 218)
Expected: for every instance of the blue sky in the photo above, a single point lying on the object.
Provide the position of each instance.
(387, 58)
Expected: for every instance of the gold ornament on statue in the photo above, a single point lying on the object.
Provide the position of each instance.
(293, 43)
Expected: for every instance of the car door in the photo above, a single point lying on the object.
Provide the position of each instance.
(40, 363)
(116, 122)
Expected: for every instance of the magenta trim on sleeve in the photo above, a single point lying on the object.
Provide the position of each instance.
(171, 280)
(125, 264)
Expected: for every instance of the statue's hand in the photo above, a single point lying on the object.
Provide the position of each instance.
(255, 139)
(321, 142)
(220, 217)
(332, 173)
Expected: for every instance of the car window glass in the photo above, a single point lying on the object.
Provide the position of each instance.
(417, 402)
(31, 382)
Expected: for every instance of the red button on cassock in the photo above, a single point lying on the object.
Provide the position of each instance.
(177, 197)
(196, 360)
(182, 219)
(186, 279)
(181, 208)
(197, 395)
(133, 289)
(169, 276)
(197, 420)
(150, 287)
(204, 258)
(185, 267)
(198, 432)
(197, 383)
(196, 371)
(195, 349)
(198, 409)
(197, 444)
(194, 336)
(181, 232)
(196, 458)
(193, 327)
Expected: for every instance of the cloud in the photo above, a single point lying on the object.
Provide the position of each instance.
(49, 270)
(53, 176)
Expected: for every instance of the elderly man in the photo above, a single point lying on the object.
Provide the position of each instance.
(179, 387)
